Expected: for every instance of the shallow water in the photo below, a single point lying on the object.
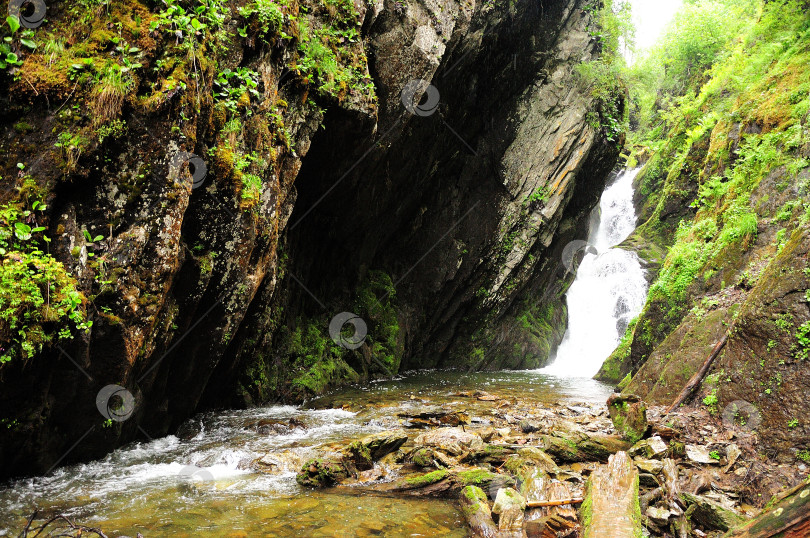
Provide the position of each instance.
(206, 484)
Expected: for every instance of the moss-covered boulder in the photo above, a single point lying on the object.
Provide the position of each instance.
(629, 416)
(319, 473)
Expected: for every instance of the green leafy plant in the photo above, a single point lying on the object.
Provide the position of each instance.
(39, 299)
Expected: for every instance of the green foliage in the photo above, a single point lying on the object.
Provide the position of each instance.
(324, 55)
(711, 401)
(39, 299)
(803, 340)
(233, 85)
(375, 303)
(715, 455)
(269, 14)
(605, 76)
(11, 42)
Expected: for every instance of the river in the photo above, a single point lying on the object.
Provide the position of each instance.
(205, 481)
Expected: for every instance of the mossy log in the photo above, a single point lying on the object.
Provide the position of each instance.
(611, 508)
(577, 446)
(788, 518)
(476, 511)
(448, 483)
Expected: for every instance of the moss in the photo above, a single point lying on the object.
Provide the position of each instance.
(428, 478)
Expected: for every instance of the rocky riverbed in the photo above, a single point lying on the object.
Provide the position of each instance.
(522, 468)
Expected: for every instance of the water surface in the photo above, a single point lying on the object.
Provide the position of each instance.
(204, 481)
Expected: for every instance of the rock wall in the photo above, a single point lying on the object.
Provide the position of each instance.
(424, 175)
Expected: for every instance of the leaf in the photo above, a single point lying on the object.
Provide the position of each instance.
(29, 43)
(22, 231)
(98, 238)
(13, 23)
(38, 229)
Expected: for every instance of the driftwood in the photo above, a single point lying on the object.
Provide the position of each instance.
(697, 379)
(543, 504)
(611, 504)
(788, 518)
(69, 528)
(552, 515)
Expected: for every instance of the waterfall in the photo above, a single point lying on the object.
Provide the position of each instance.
(609, 289)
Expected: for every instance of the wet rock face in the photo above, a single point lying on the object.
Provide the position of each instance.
(207, 288)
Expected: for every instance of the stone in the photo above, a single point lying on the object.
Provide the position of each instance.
(629, 416)
(509, 505)
(709, 514)
(700, 454)
(381, 444)
(649, 466)
(733, 453)
(651, 448)
(453, 441)
(659, 516)
(320, 473)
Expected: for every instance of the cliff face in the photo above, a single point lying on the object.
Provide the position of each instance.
(727, 195)
(221, 190)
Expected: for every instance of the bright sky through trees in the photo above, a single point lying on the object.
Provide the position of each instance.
(650, 18)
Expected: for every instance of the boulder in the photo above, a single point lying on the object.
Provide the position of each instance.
(700, 454)
(710, 515)
(651, 448)
(318, 473)
(453, 441)
(509, 505)
(629, 416)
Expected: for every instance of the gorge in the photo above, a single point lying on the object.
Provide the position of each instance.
(336, 267)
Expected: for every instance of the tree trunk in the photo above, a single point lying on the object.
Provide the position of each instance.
(611, 508)
(476, 511)
(789, 518)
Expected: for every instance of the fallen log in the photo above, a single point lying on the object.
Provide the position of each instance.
(611, 507)
(475, 508)
(543, 504)
(788, 518)
(447, 483)
(577, 446)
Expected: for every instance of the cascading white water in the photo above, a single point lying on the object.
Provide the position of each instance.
(608, 291)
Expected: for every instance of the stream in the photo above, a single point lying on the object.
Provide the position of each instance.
(205, 480)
